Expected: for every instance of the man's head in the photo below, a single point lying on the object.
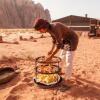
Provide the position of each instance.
(42, 25)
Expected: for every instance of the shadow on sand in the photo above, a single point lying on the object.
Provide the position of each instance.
(13, 82)
(82, 89)
(85, 89)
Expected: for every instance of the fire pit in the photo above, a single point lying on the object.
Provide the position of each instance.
(7, 74)
(47, 73)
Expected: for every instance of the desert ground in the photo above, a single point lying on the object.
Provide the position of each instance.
(21, 47)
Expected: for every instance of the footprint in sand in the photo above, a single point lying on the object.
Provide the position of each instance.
(28, 81)
(13, 97)
(19, 88)
(79, 82)
(84, 72)
(20, 92)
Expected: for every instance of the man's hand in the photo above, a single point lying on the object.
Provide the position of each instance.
(52, 55)
(52, 49)
(49, 58)
(50, 52)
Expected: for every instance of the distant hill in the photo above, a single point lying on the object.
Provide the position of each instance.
(21, 13)
(78, 23)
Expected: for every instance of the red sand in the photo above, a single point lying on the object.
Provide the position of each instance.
(86, 71)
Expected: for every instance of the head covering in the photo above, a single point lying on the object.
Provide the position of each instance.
(41, 24)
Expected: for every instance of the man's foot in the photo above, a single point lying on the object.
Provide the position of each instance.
(70, 82)
(62, 73)
(64, 87)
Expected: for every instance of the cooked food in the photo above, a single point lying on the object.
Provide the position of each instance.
(47, 79)
(47, 69)
(43, 58)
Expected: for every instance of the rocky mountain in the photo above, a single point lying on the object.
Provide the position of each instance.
(21, 13)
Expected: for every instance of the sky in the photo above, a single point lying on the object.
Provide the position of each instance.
(63, 8)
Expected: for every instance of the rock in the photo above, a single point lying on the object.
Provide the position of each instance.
(21, 13)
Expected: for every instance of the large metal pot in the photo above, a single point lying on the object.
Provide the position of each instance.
(47, 70)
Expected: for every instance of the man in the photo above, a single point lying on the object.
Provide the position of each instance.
(63, 38)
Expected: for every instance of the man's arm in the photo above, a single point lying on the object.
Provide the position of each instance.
(52, 49)
(56, 50)
(52, 55)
